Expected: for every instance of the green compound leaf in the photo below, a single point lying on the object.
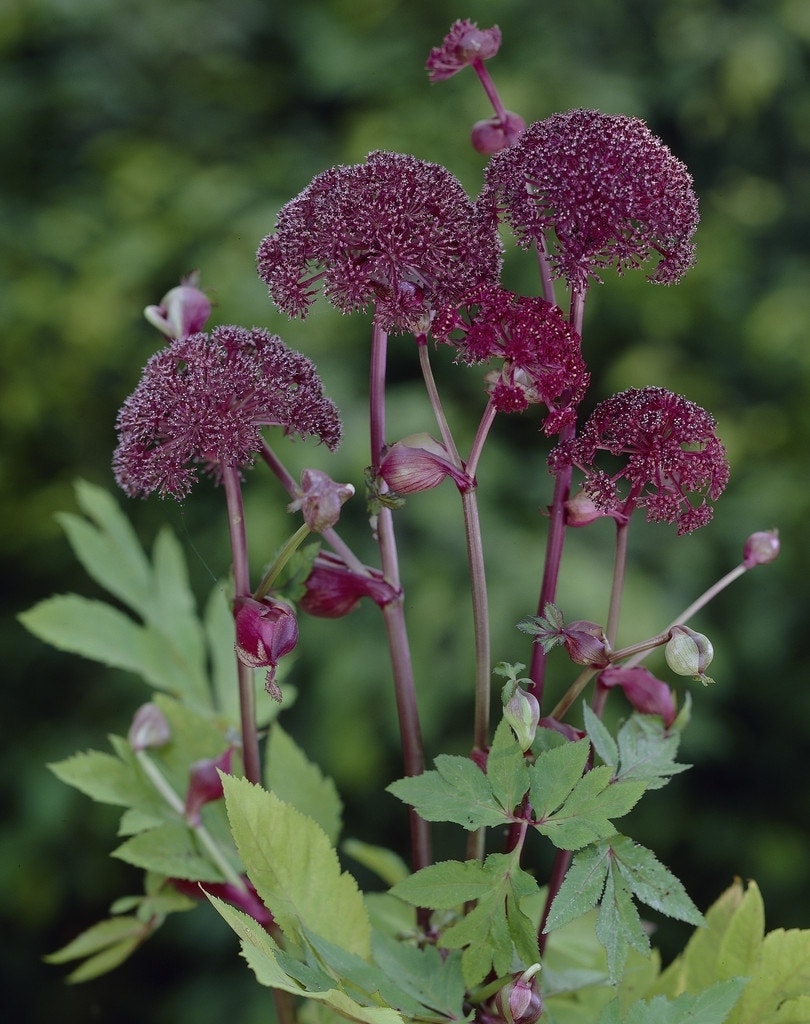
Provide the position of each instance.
(651, 882)
(582, 886)
(295, 869)
(507, 771)
(457, 791)
(432, 978)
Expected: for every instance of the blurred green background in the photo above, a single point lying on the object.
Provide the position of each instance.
(140, 139)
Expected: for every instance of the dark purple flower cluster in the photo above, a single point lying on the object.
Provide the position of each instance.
(542, 361)
(668, 451)
(394, 231)
(203, 400)
(601, 190)
(464, 44)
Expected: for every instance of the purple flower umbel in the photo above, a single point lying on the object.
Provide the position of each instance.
(602, 189)
(203, 401)
(395, 231)
(542, 361)
(668, 451)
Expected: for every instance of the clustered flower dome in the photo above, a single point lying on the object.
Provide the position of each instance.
(667, 450)
(203, 400)
(394, 231)
(542, 358)
(601, 191)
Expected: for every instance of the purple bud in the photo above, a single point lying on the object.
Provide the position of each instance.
(581, 510)
(646, 693)
(320, 499)
(761, 548)
(689, 653)
(333, 589)
(205, 783)
(586, 643)
(149, 728)
(519, 1001)
(182, 311)
(418, 463)
(266, 630)
(492, 134)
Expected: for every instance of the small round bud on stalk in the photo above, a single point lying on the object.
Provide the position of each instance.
(418, 463)
(149, 728)
(586, 643)
(320, 499)
(581, 510)
(689, 653)
(761, 548)
(182, 311)
(522, 712)
(519, 1002)
(492, 134)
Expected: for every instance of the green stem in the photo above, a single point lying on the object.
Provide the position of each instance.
(285, 554)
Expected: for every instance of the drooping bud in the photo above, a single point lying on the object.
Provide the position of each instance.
(205, 784)
(333, 589)
(761, 548)
(689, 653)
(492, 134)
(519, 1001)
(586, 643)
(647, 694)
(182, 311)
(581, 510)
(149, 728)
(522, 711)
(266, 630)
(418, 463)
(320, 499)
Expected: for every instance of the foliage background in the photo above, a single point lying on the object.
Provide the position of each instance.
(140, 139)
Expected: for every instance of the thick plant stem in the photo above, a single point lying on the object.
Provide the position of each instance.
(393, 613)
(241, 585)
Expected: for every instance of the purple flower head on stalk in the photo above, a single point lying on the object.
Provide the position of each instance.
(668, 451)
(601, 190)
(464, 44)
(394, 231)
(542, 361)
(202, 401)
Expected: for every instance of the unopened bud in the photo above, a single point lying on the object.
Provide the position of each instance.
(182, 311)
(689, 653)
(586, 643)
(761, 548)
(419, 462)
(266, 630)
(205, 783)
(519, 1001)
(521, 711)
(492, 134)
(646, 694)
(149, 728)
(581, 511)
(320, 499)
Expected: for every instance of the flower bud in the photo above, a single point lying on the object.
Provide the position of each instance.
(266, 630)
(761, 548)
(521, 711)
(418, 463)
(332, 589)
(519, 1002)
(645, 693)
(581, 511)
(689, 653)
(182, 311)
(149, 728)
(205, 783)
(586, 643)
(492, 135)
(320, 499)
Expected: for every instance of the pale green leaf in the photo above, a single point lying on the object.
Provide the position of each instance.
(171, 851)
(782, 973)
(104, 962)
(647, 751)
(618, 926)
(582, 886)
(712, 1006)
(603, 743)
(506, 768)
(435, 980)
(385, 864)
(298, 781)
(106, 779)
(793, 1011)
(457, 791)
(295, 868)
(554, 775)
(739, 949)
(99, 936)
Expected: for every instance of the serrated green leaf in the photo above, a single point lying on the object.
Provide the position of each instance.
(434, 980)
(171, 851)
(712, 1006)
(741, 943)
(651, 882)
(506, 768)
(585, 816)
(104, 778)
(457, 791)
(782, 973)
(647, 751)
(385, 864)
(618, 926)
(295, 868)
(554, 774)
(445, 885)
(603, 743)
(296, 780)
(582, 886)
(109, 551)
